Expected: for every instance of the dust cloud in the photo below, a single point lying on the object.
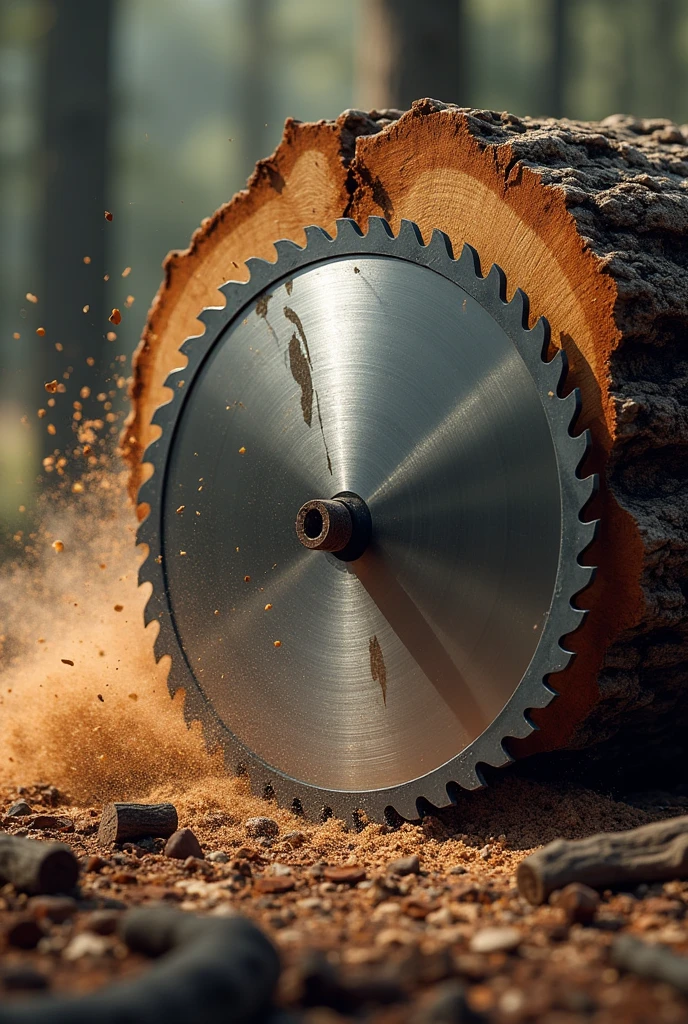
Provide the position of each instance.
(83, 704)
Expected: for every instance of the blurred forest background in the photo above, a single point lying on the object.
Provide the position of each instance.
(156, 110)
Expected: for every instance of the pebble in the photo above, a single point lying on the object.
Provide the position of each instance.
(20, 809)
(102, 922)
(50, 823)
(183, 844)
(294, 838)
(95, 863)
(24, 933)
(22, 977)
(405, 865)
(458, 869)
(348, 874)
(261, 827)
(86, 944)
(495, 940)
(198, 864)
(579, 903)
(273, 884)
(218, 857)
(52, 908)
(279, 870)
(123, 878)
(446, 1004)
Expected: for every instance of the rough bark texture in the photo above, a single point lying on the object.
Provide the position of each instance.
(590, 219)
(35, 867)
(121, 823)
(651, 853)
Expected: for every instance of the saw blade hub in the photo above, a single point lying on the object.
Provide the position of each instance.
(341, 526)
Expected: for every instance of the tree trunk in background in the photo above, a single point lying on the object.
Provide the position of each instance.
(556, 99)
(256, 99)
(408, 50)
(75, 112)
(669, 63)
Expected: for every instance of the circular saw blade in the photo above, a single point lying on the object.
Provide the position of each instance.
(380, 366)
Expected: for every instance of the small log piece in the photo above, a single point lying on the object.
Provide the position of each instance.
(209, 970)
(121, 823)
(36, 867)
(651, 853)
(654, 962)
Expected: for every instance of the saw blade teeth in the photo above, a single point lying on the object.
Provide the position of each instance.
(316, 235)
(518, 307)
(409, 232)
(379, 230)
(539, 338)
(570, 405)
(580, 446)
(160, 415)
(147, 493)
(495, 279)
(187, 346)
(260, 272)
(587, 531)
(405, 805)
(469, 261)
(149, 613)
(285, 249)
(435, 791)
(555, 368)
(575, 617)
(439, 246)
(312, 802)
(207, 316)
(347, 228)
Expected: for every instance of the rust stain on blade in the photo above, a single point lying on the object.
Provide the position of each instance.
(296, 320)
(300, 365)
(301, 372)
(378, 669)
(262, 311)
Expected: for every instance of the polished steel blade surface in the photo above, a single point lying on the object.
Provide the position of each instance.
(376, 375)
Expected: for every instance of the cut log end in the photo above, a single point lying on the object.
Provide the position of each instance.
(125, 822)
(590, 220)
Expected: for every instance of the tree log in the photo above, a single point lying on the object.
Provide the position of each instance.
(210, 970)
(590, 220)
(36, 867)
(652, 853)
(651, 961)
(121, 823)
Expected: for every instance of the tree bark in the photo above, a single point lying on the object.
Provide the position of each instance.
(36, 867)
(652, 853)
(121, 823)
(590, 220)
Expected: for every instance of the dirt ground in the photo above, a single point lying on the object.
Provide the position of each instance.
(370, 941)
(84, 707)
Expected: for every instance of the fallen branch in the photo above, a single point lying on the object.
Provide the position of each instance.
(121, 823)
(655, 962)
(36, 867)
(651, 853)
(212, 969)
